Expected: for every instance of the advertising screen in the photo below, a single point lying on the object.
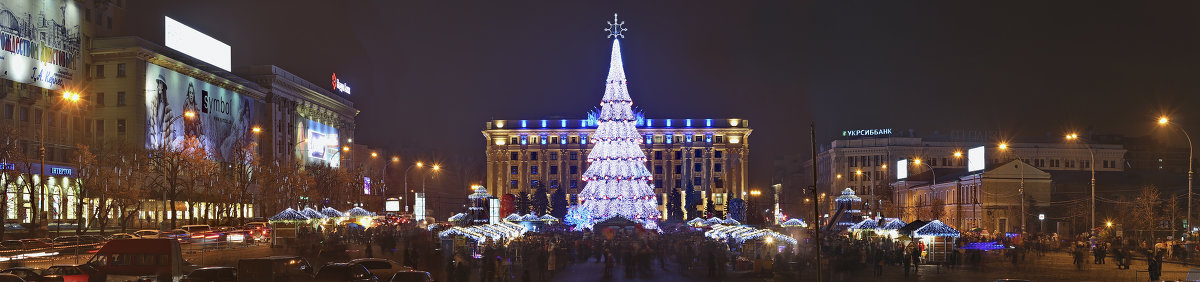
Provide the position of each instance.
(976, 159)
(366, 185)
(391, 205)
(902, 169)
(197, 44)
(39, 42)
(320, 144)
(220, 118)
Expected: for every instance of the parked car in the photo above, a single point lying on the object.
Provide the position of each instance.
(122, 236)
(147, 234)
(10, 278)
(258, 230)
(380, 267)
(201, 233)
(276, 268)
(231, 234)
(211, 274)
(345, 272)
(26, 273)
(411, 276)
(130, 259)
(68, 273)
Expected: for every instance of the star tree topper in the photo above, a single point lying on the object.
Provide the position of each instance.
(615, 28)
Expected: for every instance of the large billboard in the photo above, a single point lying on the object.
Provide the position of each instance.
(39, 42)
(220, 118)
(902, 169)
(197, 44)
(320, 143)
(976, 159)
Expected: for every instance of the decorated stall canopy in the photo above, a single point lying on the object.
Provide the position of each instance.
(697, 222)
(795, 222)
(936, 228)
(887, 224)
(357, 211)
(865, 225)
(289, 215)
(530, 217)
(312, 214)
(513, 217)
(457, 217)
(330, 212)
(499, 232)
(714, 220)
(730, 221)
(742, 233)
(548, 218)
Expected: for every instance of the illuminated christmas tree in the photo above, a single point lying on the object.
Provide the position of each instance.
(618, 183)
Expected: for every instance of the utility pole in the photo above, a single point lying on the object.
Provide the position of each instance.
(812, 135)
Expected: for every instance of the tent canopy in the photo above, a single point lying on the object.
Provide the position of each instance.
(288, 215)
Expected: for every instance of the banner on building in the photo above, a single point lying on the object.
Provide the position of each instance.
(39, 42)
(219, 118)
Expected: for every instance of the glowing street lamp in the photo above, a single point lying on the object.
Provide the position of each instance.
(1164, 121)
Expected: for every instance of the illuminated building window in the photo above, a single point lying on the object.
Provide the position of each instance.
(513, 141)
(524, 140)
(512, 184)
(534, 183)
(719, 139)
(574, 140)
(533, 169)
(513, 169)
(678, 139)
(658, 138)
(699, 138)
(554, 139)
(554, 183)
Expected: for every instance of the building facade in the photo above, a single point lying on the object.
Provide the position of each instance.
(709, 155)
(988, 199)
(867, 164)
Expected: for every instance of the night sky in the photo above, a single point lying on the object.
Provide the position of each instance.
(427, 74)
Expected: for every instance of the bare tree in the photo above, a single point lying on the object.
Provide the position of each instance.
(1146, 209)
(937, 208)
(9, 153)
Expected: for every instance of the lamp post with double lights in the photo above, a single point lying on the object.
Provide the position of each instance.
(1164, 121)
(1092, 165)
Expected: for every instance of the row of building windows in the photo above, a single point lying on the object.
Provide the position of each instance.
(650, 139)
(658, 183)
(658, 169)
(658, 155)
(100, 73)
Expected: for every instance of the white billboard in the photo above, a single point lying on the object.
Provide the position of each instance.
(976, 159)
(39, 42)
(197, 44)
(902, 169)
(391, 205)
(221, 118)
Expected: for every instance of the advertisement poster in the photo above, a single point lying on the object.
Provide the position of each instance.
(221, 121)
(320, 144)
(39, 42)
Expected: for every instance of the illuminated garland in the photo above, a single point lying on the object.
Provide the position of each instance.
(741, 234)
(289, 215)
(890, 224)
(795, 222)
(357, 211)
(499, 232)
(330, 212)
(864, 225)
(936, 228)
(312, 214)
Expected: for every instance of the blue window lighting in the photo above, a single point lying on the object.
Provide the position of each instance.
(524, 139)
(543, 138)
(524, 124)
(689, 122)
(562, 139)
(564, 123)
(583, 123)
(669, 139)
(543, 123)
(668, 123)
(649, 123)
(688, 137)
(583, 139)
(708, 122)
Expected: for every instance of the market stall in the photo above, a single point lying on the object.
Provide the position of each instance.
(938, 239)
(863, 229)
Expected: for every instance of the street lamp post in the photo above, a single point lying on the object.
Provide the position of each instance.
(44, 205)
(1092, 165)
(1021, 187)
(1164, 121)
(418, 164)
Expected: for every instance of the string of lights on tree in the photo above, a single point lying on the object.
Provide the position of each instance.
(617, 178)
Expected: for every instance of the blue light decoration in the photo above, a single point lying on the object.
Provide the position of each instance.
(688, 138)
(543, 123)
(670, 138)
(986, 246)
(583, 139)
(543, 138)
(668, 123)
(689, 122)
(564, 123)
(562, 139)
(583, 123)
(649, 123)
(524, 123)
(524, 139)
(708, 122)
(649, 139)
(708, 138)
